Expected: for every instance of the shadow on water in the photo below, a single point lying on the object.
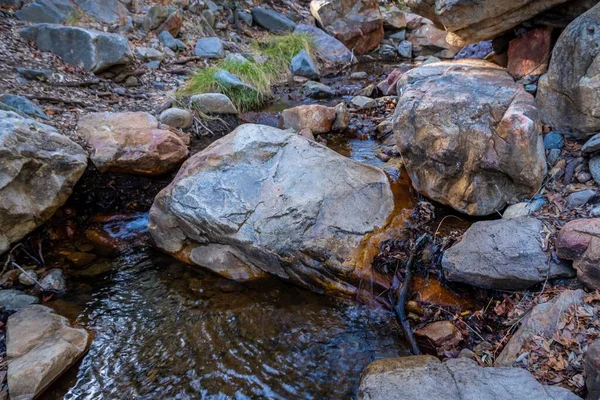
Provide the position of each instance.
(163, 329)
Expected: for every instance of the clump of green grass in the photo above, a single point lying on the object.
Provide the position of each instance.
(279, 51)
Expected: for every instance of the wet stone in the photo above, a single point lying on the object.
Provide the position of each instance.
(54, 281)
(318, 90)
(14, 300)
(28, 278)
(81, 259)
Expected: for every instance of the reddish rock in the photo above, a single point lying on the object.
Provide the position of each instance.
(428, 40)
(356, 23)
(579, 241)
(440, 335)
(388, 85)
(132, 143)
(317, 118)
(529, 54)
(172, 24)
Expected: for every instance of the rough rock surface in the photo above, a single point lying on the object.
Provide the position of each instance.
(40, 346)
(440, 336)
(93, 50)
(105, 11)
(356, 23)
(529, 53)
(212, 103)
(302, 64)
(429, 40)
(426, 378)
(272, 21)
(38, 169)
(568, 94)
(13, 300)
(471, 21)
(579, 240)
(209, 47)
(262, 200)
(50, 11)
(327, 47)
(317, 118)
(470, 136)
(501, 254)
(541, 321)
(592, 370)
(132, 142)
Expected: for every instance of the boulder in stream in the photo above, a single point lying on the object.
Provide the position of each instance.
(426, 378)
(469, 135)
(38, 169)
(262, 200)
(40, 346)
(328, 48)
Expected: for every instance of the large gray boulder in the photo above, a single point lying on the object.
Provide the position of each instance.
(568, 94)
(50, 11)
(471, 21)
(105, 11)
(426, 378)
(328, 48)
(38, 169)
(262, 200)
(469, 135)
(40, 346)
(502, 254)
(93, 50)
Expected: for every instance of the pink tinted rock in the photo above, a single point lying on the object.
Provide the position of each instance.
(529, 53)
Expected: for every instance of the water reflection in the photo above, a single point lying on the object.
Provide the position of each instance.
(165, 330)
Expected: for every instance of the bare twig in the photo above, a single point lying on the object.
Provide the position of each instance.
(28, 275)
(401, 291)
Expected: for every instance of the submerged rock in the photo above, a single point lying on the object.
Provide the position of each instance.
(262, 200)
(568, 94)
(444, 105)
(40, 346)
(38, 169)
(54, 281)
(542, 321)
(132, 143)
(93, 50)
(426, 378)
(327, 47)
(356, 23)
(502, 254)
(579, 240)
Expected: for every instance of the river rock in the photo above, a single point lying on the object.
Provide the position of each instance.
(229, 80)
(568, 94)
(131, 143)
(426, 378)
(50, 11)
(172, 24)
(23, 105)
(54, 281)
(529, 54)
(471, 21)
(28, 278)
(524, 208)
(149, 54)
(592, 145)
(272, 21)
(502, 254)
(356, 23)
(212, 103)
(13, 300)
(317, 118)
(176, 117)
(543, 321)
(579, 240)
(405, 49)
(429, 40)
(105, 11)
(363, 102)
(303, 65)
(444, 105)
(262, 200)
(156, 15)
(393, 18)
(328, 48)
(40, 346)
(209, 47)
(318, 90)
(388, 85)
(592, 370)
(93, 50)
(440, 336)
(169, 41)
(38, 169)
(580, 198)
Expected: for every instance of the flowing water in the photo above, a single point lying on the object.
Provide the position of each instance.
(165, 330)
